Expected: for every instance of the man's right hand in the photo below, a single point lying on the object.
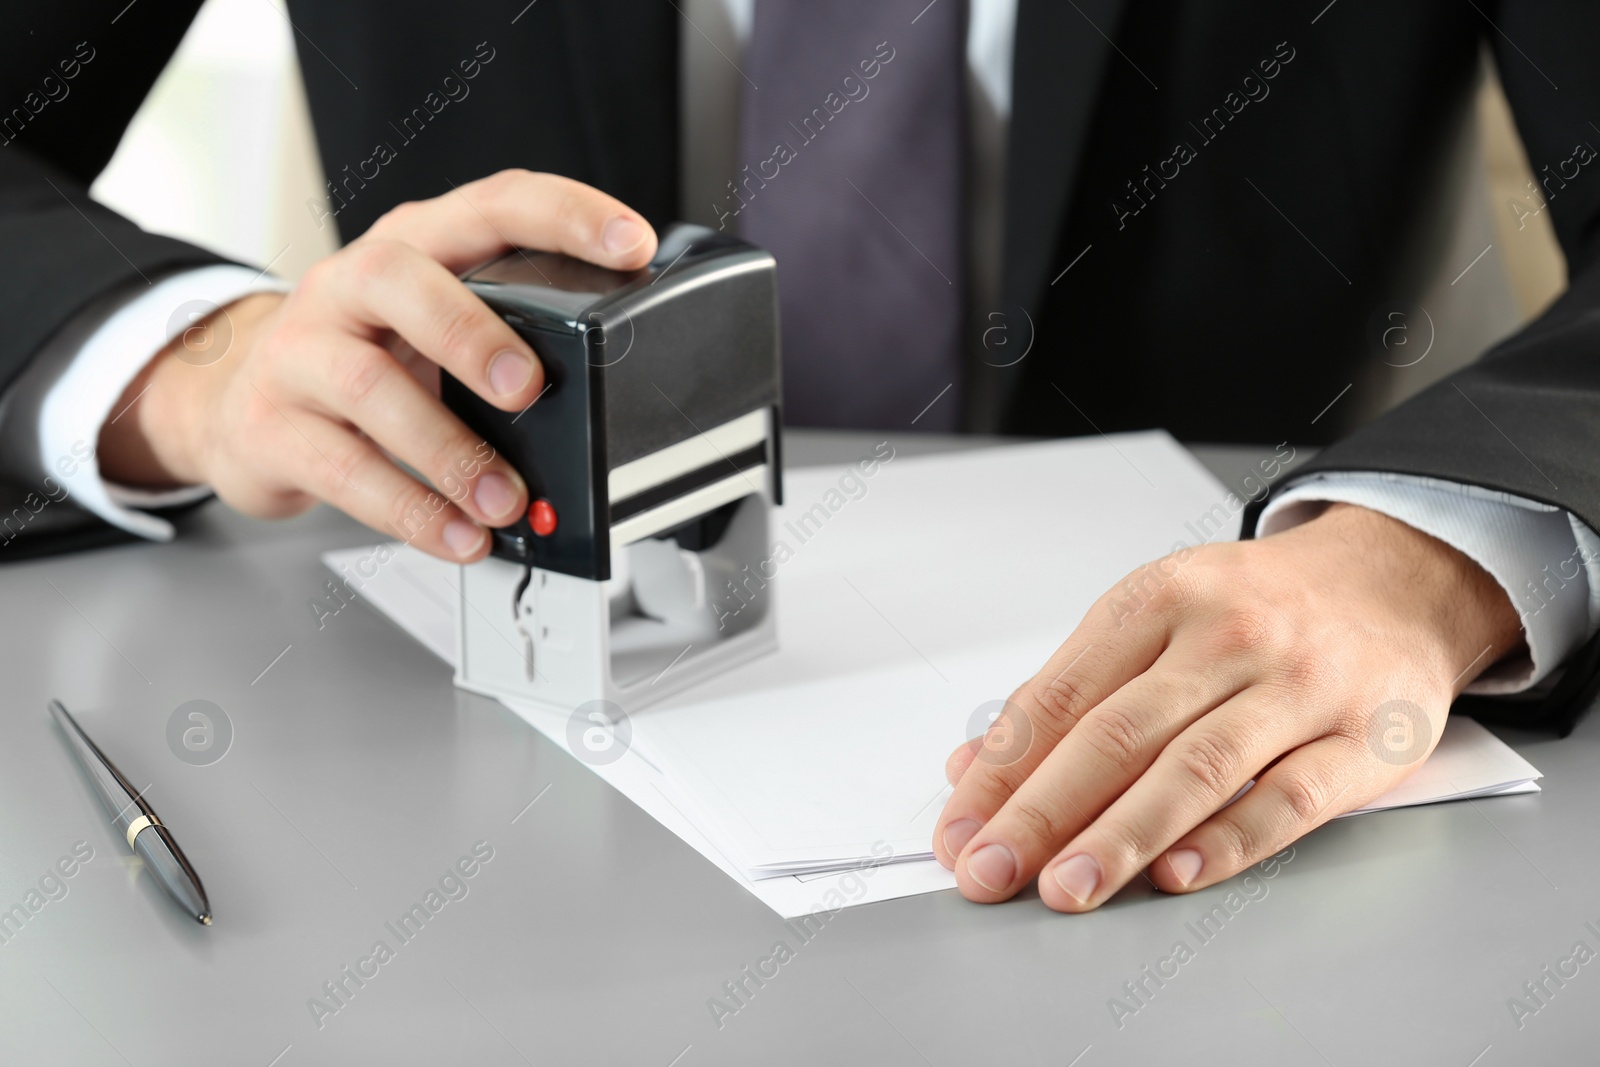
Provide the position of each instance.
(315, 391)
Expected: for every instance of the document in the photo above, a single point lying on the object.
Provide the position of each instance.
(909, 603)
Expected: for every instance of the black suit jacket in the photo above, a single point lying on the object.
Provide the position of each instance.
(1238, 186)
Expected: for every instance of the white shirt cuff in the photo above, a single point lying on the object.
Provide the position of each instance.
(50, 420)
(1546, 560)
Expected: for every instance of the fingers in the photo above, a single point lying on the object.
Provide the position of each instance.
(1089, 667)
(1309, 786)
(521, 209)
(397, 287)
(956, 766)
(336, 465)
(366, 385)
(1196, 774)
(1110, 749)
(379, 285)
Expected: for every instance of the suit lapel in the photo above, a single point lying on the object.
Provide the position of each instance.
(624, 57)
(1059, 59)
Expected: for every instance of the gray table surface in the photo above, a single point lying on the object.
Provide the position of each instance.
(357, 776)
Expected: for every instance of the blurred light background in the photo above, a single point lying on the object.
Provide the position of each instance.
(222, 153)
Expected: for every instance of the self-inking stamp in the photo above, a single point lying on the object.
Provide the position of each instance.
(652, 461)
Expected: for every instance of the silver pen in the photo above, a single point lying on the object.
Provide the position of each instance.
(146, 836)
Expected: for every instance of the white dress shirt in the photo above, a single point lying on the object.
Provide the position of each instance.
(50, 418)
(1546, 560)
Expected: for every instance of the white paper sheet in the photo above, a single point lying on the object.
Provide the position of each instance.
(930, 588)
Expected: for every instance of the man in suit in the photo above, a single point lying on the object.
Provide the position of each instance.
(1181, 215)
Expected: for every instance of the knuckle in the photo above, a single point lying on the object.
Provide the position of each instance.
(333, 470)
(1179, 587)
(504, 181)
(398, 217)
(359, 375)
(317, 276)
(291, 337)
(1210, 761)
(261, 420)
(371, 262)
(501, 188)
(994, 789)
(1141, 589)
(1114, 735)
(449, 470)
(1237, 843)
(1129, 841)
(1302, 791)
(1306, 672)
(1036, 821)
(1190, 582)
(569, 211)
(1060, 701)
(412, 510)
(459, 329)
(1243, 629)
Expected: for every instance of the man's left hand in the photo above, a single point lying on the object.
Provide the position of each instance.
(1319, 662)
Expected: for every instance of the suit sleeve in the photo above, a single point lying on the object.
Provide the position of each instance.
(1525, 419)
(71, 79)
(72, 75)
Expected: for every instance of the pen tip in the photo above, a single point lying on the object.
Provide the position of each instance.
(206, 919)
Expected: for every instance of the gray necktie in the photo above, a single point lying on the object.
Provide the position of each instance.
(852, 145)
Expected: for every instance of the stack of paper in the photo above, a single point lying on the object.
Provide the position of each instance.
(931, 589)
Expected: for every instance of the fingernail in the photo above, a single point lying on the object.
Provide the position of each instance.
(993, 867)
(1079, 875)
(510, 371)
(463, 537)
(495, 495)
(622, 234)
(1185, 863)
(957, 834)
